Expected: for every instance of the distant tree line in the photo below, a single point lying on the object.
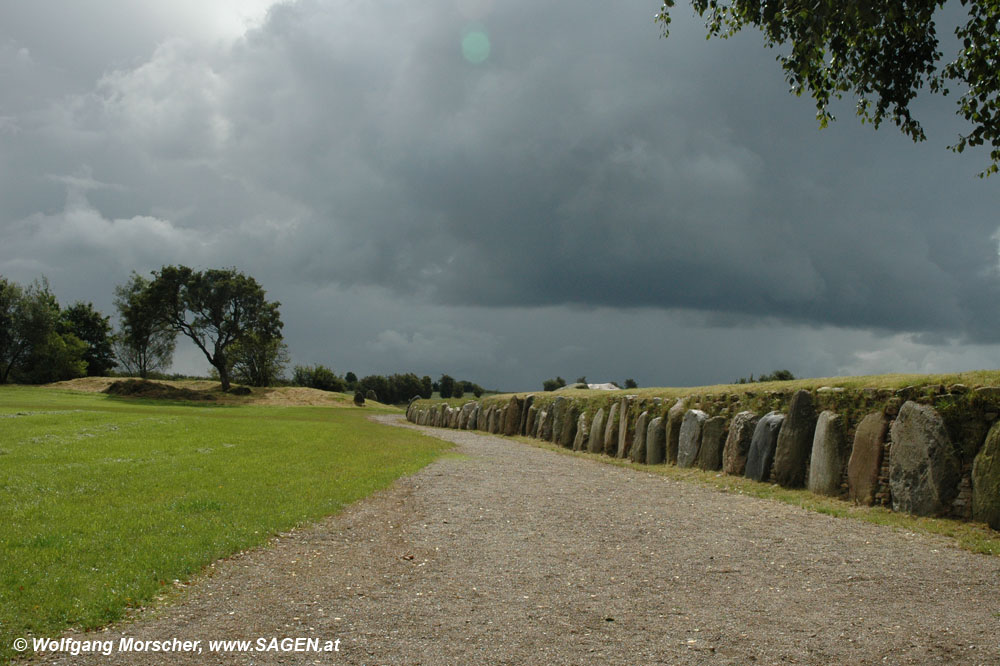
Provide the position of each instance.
(776, 376)
(224, 312)
(559, 382)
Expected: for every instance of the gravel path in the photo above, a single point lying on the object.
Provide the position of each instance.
(510, 554)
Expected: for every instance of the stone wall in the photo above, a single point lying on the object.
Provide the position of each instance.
(927, 450)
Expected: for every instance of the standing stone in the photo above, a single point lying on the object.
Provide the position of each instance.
(523, 426)
(713, 438)
(453, 413)
(611, 431)
(637, 453)
(986, 481)
(829, 454)
(924, 469)
(529, 424)
(689, 438)
(567, 425)
(761, 454)
(795, 441)
(582, 438)
(596, 441)
(512, 421)
(734, 454)
(675, 417)
(556, 409)
(473, 417)
(625, 434)
(656, 444)
(545, 430)
(491, 423)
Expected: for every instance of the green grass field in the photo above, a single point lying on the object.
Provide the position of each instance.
(106, 501)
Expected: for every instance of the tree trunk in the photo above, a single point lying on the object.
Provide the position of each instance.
(223, 375)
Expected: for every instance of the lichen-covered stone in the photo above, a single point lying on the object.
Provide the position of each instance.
(582, 437)
(473, 417)
(713, 438)
(829, 454)
(689, 438)
(611, 431)
(557, 409)
(545, 430)
(530, 427)
(986, 480)
(625, 432)
(672, 429)
(734, 454)
(596, 443)
(512, 418)
(761, 454)
(567, 425)
(522, 428)
(637, 453)
(794, 444)
(866, 458)
(924, 468)
(656, 443)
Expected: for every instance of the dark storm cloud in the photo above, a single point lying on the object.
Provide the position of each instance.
(586, 174)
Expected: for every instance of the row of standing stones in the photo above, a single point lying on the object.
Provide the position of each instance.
(929, 452)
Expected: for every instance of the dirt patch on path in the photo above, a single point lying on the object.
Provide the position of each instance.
(511, 554)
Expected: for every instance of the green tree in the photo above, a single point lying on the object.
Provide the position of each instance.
(257, 360)
(883, 52)
(630, 383)
(317, 377)
(215, 308)
(553, 384)
(426, 387)
(351, 380)
(94, 329)
(144, 342)
(32, 349)
(446, 385)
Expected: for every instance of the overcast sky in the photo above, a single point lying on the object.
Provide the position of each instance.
(500, 191)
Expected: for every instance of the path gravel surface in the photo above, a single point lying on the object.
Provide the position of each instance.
(511, 554)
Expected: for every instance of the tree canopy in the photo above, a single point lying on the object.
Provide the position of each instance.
(881, 51)
(215, 308)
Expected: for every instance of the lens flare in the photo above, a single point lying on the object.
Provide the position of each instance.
(475, 46)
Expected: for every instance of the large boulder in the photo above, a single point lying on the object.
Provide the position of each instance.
(522, 428)
(795, 441)
(529, 424)
(656, 444)
(829, 454)
(986, 480)
(582, 437)
(625, 432)
(675, 418)
(611, 431)
(512, 419)
(924, 468)
(689, 438)
(713, 438)
(567, 424)
(595, 443)
(734, 453)
(762, 444)
(545, 429)
(557, 409)
(473, 417)
(637, 453)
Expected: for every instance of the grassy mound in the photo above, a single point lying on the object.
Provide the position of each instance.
(143, 388)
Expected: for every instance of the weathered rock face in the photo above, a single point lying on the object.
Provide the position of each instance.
(611, 431)
(512, 418)
(713, 438)
(567, 425)
(761, 454)
(673, 429)
(530, 419)
(596, 440)
(656, 443)
(924, 468)
(557, 409)
(529, 400)
(453, 416)
(625, 433)
(582, 437)
(637, 453)
(689, 438)
(829, 454)
(734, 453)
(473, 417)
(986, 481)
(795, 441)
(482, 419)
(545, 429)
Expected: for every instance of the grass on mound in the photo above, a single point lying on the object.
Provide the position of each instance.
(975, 537)
(107, 501)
